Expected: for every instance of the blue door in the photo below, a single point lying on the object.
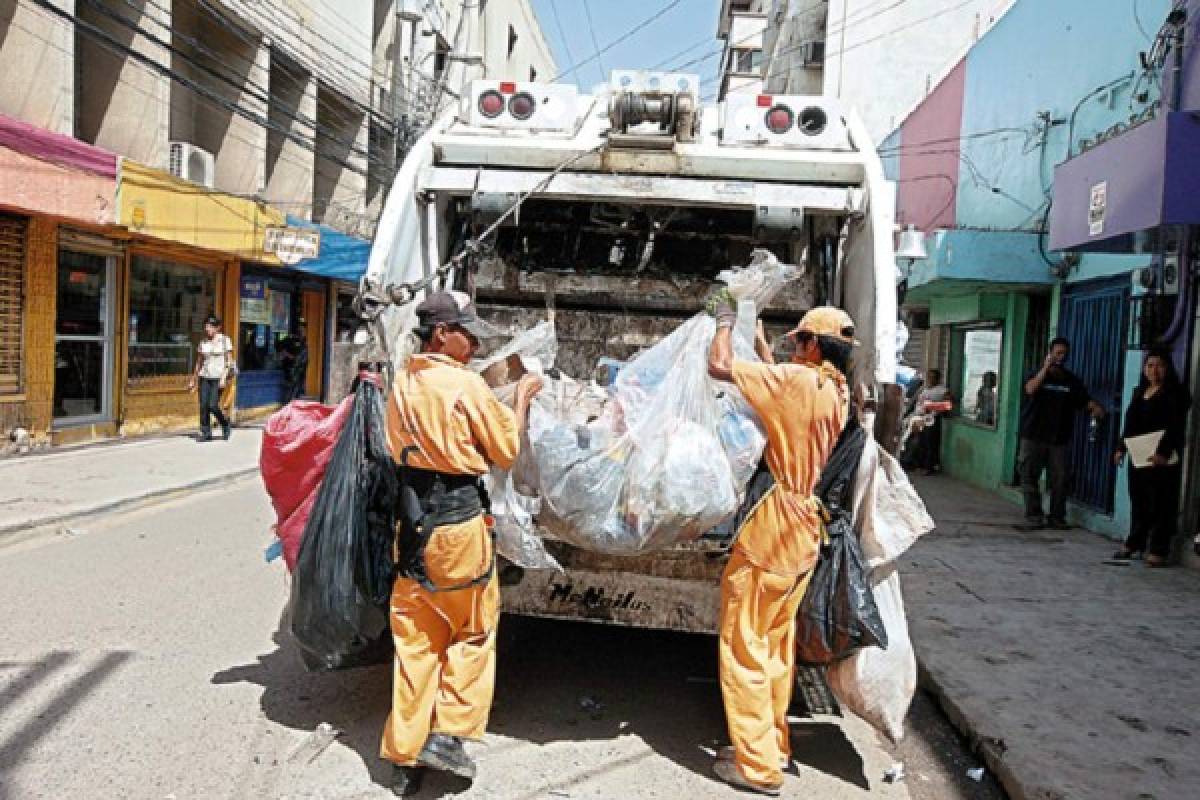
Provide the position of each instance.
(1094, 318)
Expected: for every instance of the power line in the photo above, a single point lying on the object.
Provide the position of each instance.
(587, 10)
(563, 36)
(623, 37)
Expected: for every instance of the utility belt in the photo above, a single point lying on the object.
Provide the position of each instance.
(427, 500)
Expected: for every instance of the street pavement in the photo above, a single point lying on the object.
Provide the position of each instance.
(62, 485)
(1077, 679)
(142, 658)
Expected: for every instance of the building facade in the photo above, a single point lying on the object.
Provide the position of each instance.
(164, 160)
(975, 166)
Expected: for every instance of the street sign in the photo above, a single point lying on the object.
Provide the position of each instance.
(293, 245)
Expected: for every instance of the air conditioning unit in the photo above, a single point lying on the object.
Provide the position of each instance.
(812, 55)
(795, 121)
(193, 164)
(1161, 277)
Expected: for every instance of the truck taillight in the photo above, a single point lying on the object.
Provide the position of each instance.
(779, 119)
(491, 104)
(522, 105)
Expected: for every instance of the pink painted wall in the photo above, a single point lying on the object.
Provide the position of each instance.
(30, 184)
(929, 156)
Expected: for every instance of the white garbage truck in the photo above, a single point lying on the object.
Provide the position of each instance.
(612, 213)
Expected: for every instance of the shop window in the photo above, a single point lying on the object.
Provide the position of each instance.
(168, 303)
(975, 369)
(272, 327)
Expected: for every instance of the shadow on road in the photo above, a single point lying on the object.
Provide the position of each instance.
(556, 681)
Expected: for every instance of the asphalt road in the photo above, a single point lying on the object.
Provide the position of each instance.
(141, 657)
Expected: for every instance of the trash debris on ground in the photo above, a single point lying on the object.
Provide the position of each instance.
(343, 575)
(894, 773)
(274, 550)
(976, 774)
(316, 743)
(73, 531)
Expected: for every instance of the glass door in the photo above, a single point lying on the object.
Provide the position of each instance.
(83, 339)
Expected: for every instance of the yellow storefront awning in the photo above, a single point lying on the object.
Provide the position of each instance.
(157, 204)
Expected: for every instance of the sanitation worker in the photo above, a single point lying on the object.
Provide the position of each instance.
(445, 427)
(803, 408)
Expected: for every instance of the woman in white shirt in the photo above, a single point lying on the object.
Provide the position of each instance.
(212, 371)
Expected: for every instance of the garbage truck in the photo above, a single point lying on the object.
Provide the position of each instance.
(611, 213)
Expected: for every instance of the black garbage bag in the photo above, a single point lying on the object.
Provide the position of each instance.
(343, 577)
(838, 614)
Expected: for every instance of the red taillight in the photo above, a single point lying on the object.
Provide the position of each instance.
(507, 87)
(764, 101)
(521, 105)
(491, 103)
(779, 119)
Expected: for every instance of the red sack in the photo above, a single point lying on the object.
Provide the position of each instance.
(296, 447)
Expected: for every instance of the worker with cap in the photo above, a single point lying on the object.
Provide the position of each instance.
(803, 408)
(445, 430)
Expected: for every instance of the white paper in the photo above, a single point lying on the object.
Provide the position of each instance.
(1142, 448)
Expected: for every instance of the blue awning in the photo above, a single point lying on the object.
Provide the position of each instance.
(343, 257)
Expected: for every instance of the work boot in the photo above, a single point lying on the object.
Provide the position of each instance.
(406, 781)
(446, 753)
(729, 772)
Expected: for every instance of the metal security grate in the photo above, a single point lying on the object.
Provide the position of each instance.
(12, 297)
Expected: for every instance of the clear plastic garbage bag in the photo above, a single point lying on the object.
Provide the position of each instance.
(669, 457)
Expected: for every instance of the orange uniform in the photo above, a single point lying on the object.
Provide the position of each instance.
(447, 420)
(803, 409)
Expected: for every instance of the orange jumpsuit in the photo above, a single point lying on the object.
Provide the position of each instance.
(445, 666)
(803, 409)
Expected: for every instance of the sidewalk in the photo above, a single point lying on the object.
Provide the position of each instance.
(59, 486)
(1077, 679)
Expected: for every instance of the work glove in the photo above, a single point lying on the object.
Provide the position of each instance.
(722, 306)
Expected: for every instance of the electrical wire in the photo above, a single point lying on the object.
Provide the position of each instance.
(587, 10)
(623, 37)
(562, 35)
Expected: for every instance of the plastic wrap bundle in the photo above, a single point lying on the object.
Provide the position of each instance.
(517, 538)
(669, 457)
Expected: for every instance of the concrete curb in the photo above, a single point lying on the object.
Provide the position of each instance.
(989, 749)
(13, 528)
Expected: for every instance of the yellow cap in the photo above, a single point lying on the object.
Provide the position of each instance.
(828, 321)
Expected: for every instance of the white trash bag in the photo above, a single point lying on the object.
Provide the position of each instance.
(876, 684)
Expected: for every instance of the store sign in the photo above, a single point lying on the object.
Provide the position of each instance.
(254, 306)
(1096, 208)
(293, 245)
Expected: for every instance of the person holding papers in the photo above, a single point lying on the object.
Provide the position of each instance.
(1153, 437)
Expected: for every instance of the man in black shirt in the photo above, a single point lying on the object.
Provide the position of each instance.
(1053, 395)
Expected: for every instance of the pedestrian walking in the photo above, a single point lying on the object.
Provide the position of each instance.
(214, 365)
(445, 429)
(803, 408)
(1053, 395)
(1158, 408)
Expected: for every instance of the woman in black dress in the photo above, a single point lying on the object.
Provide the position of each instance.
(1160, 403)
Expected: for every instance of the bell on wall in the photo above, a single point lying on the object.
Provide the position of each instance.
(912, 245)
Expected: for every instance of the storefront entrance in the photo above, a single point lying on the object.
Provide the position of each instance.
(281, 334)
(83, 351)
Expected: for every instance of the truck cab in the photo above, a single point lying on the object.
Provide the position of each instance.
(612, 213)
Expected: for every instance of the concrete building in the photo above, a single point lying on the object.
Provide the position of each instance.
(153, 153)
(881, 57)
(974, 163)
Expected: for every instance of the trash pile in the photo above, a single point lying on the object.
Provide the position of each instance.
(658, 458)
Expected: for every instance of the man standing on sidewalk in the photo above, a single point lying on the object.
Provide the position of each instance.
(1053, 395)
